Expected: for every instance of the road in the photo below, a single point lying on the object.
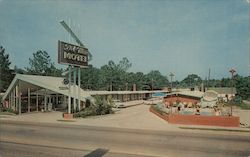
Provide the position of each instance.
(20, 139)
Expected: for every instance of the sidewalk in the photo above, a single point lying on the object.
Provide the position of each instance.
(136, 117)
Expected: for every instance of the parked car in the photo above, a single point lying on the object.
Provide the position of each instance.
(119, 104)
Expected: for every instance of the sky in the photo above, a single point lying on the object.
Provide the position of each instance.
(179, 36)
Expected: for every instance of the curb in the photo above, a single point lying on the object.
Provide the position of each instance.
(215, 129)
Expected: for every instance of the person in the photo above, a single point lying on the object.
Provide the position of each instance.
(179, 109)
(197, 111)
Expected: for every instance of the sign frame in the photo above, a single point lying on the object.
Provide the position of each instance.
(73, 50)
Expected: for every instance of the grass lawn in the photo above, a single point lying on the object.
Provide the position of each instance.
(244, 106)
(7, 113)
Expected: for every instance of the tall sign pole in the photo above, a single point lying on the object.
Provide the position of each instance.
(79, 88)
(75, 56)
(69, 97)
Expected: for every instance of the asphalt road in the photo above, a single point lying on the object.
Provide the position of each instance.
(67, 140)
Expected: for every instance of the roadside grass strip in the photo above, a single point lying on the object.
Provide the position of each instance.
(215, 129)
(65, 120)
(7, 113)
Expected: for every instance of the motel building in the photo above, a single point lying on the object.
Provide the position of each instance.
(29, 93)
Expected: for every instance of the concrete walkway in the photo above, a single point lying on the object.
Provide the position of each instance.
(136, 117)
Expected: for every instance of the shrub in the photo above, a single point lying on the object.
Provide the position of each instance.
(244, 106)
(10, 110)
(158, 109)
(237, 99)
(88, 111)
(103, 107)
(98, 107)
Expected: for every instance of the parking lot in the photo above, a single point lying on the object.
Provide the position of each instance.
(134, 117)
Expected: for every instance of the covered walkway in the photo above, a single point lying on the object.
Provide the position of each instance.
(28, 93)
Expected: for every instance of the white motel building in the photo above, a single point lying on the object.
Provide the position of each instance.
(29, 93)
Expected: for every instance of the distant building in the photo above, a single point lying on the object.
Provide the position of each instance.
(186, 97)
(225, 93)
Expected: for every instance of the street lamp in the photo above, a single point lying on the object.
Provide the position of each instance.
(171, 79)
(232, 71)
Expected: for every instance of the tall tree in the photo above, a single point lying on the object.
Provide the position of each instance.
(19, 70)
(90, 78)
(155, 80)
(191, 80)
(113, 75)
(41, 64)
(242, 85)
(6, 74)
(134, 78)
(225, 82)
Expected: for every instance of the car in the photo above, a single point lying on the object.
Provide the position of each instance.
(119, 104)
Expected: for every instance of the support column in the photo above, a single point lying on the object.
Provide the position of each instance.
(45, 100)
(79, 88)
(69, 97)
(20, 98)
(28, 99)
(36, 101)
(16, 100)
(74, 92)
(13, 100)
(56, 99)
(49, 108)
(9, 101)
(64, 101)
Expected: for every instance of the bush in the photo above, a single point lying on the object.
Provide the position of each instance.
(103, 107)
(158, 109)
(88, 111)
(244, 106)
(237, 99)
(10, 110)
(99, 107)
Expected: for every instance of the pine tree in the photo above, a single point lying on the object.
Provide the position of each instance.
(41, 64)
(6, 74)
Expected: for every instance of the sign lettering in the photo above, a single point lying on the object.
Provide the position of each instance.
(72, 54)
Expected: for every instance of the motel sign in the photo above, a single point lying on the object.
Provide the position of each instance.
(72, 54)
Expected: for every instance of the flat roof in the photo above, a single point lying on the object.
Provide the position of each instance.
(56, 85)
(47, 82)
(196, 94)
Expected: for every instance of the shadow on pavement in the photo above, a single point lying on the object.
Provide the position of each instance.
(97, 153)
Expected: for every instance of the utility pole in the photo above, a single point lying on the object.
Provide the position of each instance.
(152, 84)
(232, 71)
(208, 83)
(171, 78)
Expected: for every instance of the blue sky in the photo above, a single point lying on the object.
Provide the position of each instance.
(179, 36)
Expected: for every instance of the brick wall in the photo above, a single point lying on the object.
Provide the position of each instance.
(163, 116)
(225, 121)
